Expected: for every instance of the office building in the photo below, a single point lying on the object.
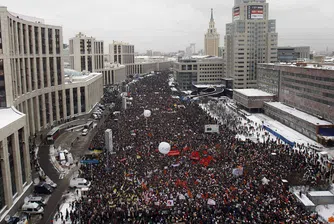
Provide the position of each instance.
(211, 39)
(307, 87)
(291, 54)
(198, 70)
(149, 53)
(268, 78)
(34, 95)
(86, 53)
(250, 39)
(123, 53)
(221, 52)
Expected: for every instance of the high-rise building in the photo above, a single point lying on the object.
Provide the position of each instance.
(250, 39)
(86, 53)
(211, 39)
(122, 53)
(34, 95)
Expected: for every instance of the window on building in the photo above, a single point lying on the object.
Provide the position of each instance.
(83, 99)
(2, 85)
(50, 37)
(68, 103)
(2, 193)
(60, 103)
(22, 148)
(75, 100)
(10, 145)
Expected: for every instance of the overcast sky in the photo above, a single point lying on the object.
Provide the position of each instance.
(171, 25)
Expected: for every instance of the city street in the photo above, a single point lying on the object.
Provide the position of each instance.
(79, 148)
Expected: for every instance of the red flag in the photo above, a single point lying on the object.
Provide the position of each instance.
(195, 155)
(174, 153)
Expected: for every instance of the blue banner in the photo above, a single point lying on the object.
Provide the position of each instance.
(93, 161)
(291, 144)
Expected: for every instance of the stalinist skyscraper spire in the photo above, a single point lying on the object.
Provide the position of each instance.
(211, 40)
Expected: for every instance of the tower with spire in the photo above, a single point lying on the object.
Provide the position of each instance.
(211, 38)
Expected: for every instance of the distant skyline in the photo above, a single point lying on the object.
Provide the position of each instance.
(172, 25)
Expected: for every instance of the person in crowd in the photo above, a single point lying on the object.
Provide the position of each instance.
(215, 178)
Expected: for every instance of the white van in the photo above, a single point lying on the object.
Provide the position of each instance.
(39, 200)
(79, 183)
(84, 132)
(32, 208)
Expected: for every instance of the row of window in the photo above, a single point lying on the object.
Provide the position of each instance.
(19, 33)
(37, 106)
(12, 165)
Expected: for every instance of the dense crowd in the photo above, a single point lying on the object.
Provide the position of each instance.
(216, 178)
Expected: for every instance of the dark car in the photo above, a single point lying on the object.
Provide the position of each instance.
(43, 188)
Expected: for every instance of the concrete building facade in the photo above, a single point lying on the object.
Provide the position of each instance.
(204, 70)
(308, 87)
(268, 79)
(250, 39)
(290, 54)
(86, 53)
(15, 173)
(252, 99)
(308, 125)
(123, 53)
(211, 39)
(34, 95)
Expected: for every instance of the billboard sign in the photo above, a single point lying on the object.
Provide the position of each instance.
(236, 13)
(212, 128)
(255, 12)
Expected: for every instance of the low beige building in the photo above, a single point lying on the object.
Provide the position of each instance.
(251, 99)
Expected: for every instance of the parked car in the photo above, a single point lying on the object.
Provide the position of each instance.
(43, 188)
(22, 219)
(50, 182)
(32, 208)
(84, 132)
(79, 183)
(38, 199)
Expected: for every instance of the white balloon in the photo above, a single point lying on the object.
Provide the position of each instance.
(164, 148)
(147, 113)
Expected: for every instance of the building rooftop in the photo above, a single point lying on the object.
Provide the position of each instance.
(252, 92)
(9, 115)
(297, 113)
(73, 76)
(121, 43)
(304, 65)
(28, 18)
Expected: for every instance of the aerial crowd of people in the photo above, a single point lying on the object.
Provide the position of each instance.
(205, 178)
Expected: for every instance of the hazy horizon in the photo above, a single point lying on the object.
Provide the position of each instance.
(170, 26)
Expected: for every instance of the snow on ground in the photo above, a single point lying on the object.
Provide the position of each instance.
(325, 211)
(304, 199)
(253, 134)
(72, 196)
(283, 130)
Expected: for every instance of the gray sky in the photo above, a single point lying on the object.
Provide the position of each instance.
(171, 25)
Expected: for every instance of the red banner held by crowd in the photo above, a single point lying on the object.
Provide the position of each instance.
(174, 153)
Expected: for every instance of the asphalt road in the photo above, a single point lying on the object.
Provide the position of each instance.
(79, 148)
